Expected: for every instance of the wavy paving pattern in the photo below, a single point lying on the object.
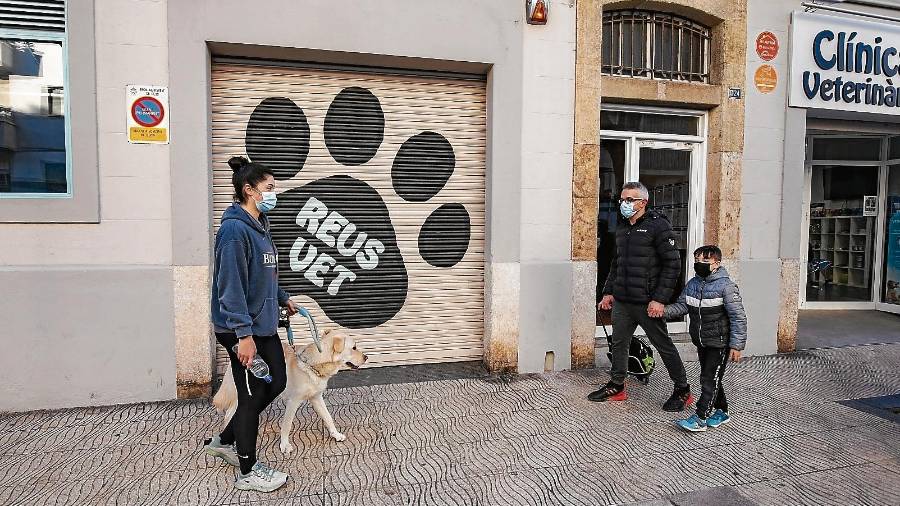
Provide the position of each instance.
(526, 440)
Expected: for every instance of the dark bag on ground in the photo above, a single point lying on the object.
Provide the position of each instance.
(640, 357)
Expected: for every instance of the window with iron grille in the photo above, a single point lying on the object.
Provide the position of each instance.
(654, 45)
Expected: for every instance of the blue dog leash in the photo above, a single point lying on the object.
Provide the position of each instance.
(313, 330)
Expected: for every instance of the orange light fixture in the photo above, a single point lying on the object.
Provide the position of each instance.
(536, 11)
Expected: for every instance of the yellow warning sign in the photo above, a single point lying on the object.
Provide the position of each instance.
(144, 134)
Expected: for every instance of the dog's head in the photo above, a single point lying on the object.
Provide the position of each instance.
(337, 349)
(344, 351)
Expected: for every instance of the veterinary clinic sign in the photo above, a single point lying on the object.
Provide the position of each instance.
(148, 114)
(844, 64)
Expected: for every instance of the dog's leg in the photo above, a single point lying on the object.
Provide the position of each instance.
(290, 411)
(318, 404)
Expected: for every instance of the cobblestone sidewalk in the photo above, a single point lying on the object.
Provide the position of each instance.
(518, 441)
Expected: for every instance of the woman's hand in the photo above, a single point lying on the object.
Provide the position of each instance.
(291, 307)
(246, 351)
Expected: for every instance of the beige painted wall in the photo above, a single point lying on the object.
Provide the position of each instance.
(135, 217)
(94, 301)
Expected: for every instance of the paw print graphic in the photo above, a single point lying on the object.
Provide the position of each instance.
(335, 236)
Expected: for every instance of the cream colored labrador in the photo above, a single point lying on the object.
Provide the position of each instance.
(307, 379)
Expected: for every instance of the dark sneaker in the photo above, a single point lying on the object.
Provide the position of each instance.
(610, 392)
(680, 399)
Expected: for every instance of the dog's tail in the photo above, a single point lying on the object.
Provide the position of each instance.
(227, 394)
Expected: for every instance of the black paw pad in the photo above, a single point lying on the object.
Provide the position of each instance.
(423, 165)
(278, 136)
(444, 238)
(354, 126)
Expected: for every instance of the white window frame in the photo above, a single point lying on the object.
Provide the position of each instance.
(697, 144)
(49, 36)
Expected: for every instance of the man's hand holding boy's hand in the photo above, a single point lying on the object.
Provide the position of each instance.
(655, 309)
(735, 355)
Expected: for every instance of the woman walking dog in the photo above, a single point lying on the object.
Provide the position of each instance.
(245, 302)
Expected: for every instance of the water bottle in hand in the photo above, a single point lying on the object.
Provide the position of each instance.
(258, 366)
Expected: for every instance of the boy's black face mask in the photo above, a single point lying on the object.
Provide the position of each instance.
(702, 269)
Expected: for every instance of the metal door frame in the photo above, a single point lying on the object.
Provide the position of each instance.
(696, 144)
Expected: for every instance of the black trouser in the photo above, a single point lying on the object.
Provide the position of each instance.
(253, 394)
(712, 368)
(625, 318)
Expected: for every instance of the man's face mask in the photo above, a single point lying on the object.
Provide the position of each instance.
(628, 206)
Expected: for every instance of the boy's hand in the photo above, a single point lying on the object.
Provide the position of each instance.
(656, 309)
(735, 355)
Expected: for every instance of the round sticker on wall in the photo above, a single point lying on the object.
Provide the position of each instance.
(766, 78)
(767, 46)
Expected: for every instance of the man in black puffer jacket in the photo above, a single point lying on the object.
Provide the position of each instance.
(642, 279)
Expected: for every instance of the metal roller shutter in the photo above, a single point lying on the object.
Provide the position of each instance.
(380, 219)
(47, 15)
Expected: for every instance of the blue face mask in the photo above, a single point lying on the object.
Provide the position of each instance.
(269, 199)
(627, 209)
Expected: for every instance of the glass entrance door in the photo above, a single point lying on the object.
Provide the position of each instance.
(665, 169)
(841, 248)
(890, 294)
(852, 230)
(673, 175)
(613, 162)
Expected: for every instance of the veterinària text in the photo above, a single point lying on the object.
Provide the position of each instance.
(867, 58)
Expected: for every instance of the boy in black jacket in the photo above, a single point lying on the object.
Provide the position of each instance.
(718, 329)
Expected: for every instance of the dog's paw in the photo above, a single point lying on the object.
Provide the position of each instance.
(286, 447)
(338, 436)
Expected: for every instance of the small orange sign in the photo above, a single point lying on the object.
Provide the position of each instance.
(766, 78)
(767, 46)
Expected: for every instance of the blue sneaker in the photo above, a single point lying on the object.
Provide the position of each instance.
(718, 418)
(693, 423)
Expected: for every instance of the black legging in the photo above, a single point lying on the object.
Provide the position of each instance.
(244, 425)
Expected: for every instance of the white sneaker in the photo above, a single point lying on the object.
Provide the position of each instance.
(261, 478)
(214, 447)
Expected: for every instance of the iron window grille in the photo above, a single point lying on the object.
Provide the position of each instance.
(654, 45)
